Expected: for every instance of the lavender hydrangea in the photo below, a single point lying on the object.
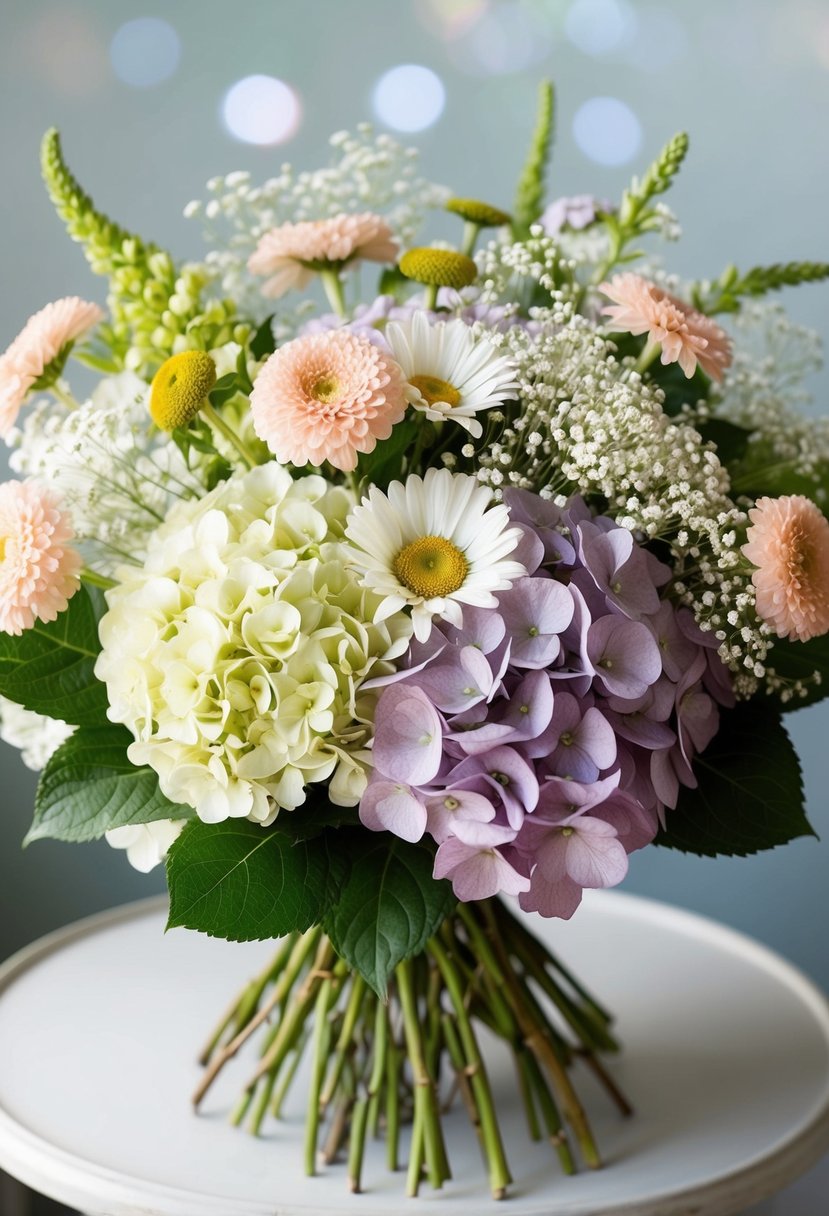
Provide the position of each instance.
(540, 743)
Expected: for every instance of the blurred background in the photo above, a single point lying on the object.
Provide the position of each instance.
(154, 98)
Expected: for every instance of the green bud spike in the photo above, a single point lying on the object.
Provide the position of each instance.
(529, 196)
(731, 287)
(156, 308)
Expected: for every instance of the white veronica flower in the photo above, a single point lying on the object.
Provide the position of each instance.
(147, 844)
(452, 370)
(434, 543)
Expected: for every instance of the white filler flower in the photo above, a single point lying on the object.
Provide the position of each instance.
(433, 543)
(236, 654)
(453, 371)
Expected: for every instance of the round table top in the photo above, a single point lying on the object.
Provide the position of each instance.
(726, 1058)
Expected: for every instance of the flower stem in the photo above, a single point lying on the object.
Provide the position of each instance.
(321, 1043)
(470, 236)
(359, 1123)
(647, 356)
(333, 286)
(499, 1175)
(430, 302)
(62, 394)
(97, 580)
(218, 423)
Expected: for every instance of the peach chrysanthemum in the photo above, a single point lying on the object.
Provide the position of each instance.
(687, 337)
(42, 340)
(39, 570)
(327, 396)
(788, 542)
(291, 252)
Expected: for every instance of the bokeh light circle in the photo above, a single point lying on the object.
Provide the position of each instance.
(598, 27)
(144, 52)
(261, 110)
(607, 131)
(409, 97)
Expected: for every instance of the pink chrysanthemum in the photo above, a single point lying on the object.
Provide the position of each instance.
(788, 542)
(687, 337)
(38, 567)
(327, 396)
(39, 343)
(287, 253)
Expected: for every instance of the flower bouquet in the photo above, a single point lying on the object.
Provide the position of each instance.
(393, 619)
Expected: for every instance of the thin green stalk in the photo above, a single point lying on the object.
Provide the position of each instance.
(333, 286)
(550, 1114)
(296, 1012)
(286, 1078)
(338, 1130)
(425, 1096)
(430, 303)
(357, 1143)
(64, 396)
(242, 1107)
(646, 358)
(455, 1051)
(543, 1049)
(470, 237)
(499, 1175)
(319, 1055)
(97, 580)
(394, 1059)
(345, 1040)
(416, 1150)
(525, 1086)
(218, 423)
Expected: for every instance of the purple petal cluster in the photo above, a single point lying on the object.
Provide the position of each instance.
(540, 743)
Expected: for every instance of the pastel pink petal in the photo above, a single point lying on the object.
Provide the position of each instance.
(408, 741)
(389, 807)
(559, 898)
(595, 856)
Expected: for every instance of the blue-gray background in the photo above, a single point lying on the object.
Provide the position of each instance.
(140, 109)
(749, 80)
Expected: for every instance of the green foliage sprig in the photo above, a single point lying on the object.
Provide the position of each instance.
(636, 216)
(725, 294)
(156, 307)
(529, 195)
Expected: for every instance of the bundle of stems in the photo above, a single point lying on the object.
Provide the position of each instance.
(377, 1064)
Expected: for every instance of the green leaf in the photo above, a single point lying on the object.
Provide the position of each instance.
(730, 440)
(389, 907)
(243, 882)
(750, 794)
(386, 461)
(263, 343)
(89, 786)
(529, 195)
(800, 661)
(726, 294)
(50, 667)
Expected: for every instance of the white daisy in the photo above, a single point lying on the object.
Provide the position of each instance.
(433, 544)
(452, 370)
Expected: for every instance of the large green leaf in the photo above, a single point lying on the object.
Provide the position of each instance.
(243, 882)
(89, 786)
(750, 794)
(389, 907)
(50, 668)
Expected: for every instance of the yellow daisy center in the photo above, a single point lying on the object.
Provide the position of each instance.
(476, 212)
(180, 387)
(325, 389)
(431, 566)
(4, 540)
(432, 389)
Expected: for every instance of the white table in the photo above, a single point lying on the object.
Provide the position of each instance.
(726, 1058)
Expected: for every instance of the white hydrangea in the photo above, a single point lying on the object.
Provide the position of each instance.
(147, 844)
(237, 653)
(36, 736)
